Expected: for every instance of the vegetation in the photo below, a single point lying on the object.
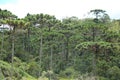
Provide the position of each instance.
(41, 47)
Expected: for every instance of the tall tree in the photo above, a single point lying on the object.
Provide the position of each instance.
(4, 14)
(14, 23)
(93, 37)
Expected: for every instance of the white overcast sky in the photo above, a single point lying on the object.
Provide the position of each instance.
(61, 8)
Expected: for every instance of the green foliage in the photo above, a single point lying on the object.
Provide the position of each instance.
(49, 75)
(33, 69)
(17, 73)
(68, 73)
(87, 76)
(114, 73)
(43, 47)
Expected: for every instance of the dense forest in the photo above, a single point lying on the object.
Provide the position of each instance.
(41, 47)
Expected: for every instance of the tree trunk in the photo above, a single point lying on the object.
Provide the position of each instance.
(12, 49)
(12, 61)
(28, 40)
(51, 63)
(93, 35)
(95, 63)
(94, 56)
(2, 45)
(67, 49)
(51, 57)
(40, 53)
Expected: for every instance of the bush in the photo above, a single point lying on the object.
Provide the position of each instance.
(49, 74)
(114, 73)
(87, 76)
(69, 72)
(103, 78)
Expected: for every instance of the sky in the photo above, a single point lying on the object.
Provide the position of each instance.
(61, 8)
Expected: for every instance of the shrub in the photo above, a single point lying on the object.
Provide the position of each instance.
(114, 73)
